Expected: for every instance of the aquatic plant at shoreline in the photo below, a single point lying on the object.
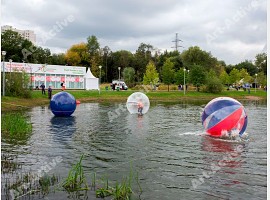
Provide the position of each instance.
(76, 178)
(121, 191)
(8, 163)
(15, 125)
(15, 187)
(74, 183)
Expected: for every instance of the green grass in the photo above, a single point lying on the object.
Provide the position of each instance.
(14, 103)
(15, 125)
(152, 94)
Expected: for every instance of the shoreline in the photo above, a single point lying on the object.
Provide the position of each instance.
(17, 104)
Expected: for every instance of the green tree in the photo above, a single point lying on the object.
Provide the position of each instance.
(129, 76)
(19, 49)
(13, 44)
(141, 59)
(176, 59)
(261, 79)
(261, 62)
(244, 75)
(234, 76)
(196, 56)
(58, 59)
(197, 76)
(41, 55)
(211, 74)
(248, 65)
(180, 75)
(168, 73)
(93, 48)
(224, 77)
(151, 75)
(93, 45)
(94, 66)
(120, 59)
(106, 54)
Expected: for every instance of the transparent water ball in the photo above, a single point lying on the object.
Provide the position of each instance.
(135, 100)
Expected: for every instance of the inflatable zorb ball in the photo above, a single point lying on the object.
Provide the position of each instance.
(224, 116)
(63, 104)
(134, 100)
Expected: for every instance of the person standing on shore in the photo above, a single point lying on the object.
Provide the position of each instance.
(49, 92)
(63, 85)
(43, 89)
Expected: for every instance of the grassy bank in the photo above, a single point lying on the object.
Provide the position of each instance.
(13, 103)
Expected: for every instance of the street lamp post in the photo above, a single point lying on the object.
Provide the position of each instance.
(3, 54)
(185, 80)
(31, 71)
(99, 77)
(10, 62)
(119, 68)
(256, 82)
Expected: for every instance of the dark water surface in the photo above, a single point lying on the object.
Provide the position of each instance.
(167, 147)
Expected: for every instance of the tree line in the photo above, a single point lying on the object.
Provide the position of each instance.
(147, 65)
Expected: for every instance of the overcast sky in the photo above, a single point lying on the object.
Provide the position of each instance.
(232, 30)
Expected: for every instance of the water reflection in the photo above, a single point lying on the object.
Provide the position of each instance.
(216, 145)
(63, 127)
(137, 125)
(227, 153)
(223, 160)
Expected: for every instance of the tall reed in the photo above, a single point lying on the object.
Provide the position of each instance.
(76, 179)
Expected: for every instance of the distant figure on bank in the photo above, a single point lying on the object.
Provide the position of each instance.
(63, 85)
(140, 107)
(43, 88)
(248, 88)
(49, 92)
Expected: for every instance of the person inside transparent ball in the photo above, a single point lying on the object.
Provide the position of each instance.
(140, 106)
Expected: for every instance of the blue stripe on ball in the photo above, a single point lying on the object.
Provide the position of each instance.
(216, 105)
(221, 114)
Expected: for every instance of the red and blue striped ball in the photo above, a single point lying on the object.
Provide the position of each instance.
(63, 104)
(224, 116)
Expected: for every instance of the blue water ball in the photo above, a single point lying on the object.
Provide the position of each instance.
(63, 104)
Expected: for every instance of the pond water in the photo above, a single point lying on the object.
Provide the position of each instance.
(167, 147)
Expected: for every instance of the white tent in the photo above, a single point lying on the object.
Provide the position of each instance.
(91, 82)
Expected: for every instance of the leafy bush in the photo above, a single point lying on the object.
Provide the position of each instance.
(213, 85)
(17, 84)
(165, 87)
(142, 87)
